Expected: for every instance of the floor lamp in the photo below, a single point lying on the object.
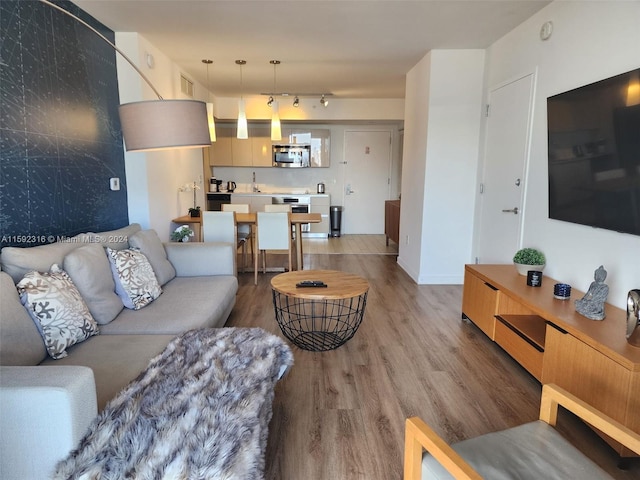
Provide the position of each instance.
(156, 124)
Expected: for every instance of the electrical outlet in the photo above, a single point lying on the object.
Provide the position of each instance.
(114, 183)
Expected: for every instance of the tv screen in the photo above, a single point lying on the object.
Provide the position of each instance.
(594, 154)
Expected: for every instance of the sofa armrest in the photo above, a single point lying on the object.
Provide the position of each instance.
(201, 259)
(44, 411)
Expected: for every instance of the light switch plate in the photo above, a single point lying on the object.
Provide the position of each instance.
(114, 183)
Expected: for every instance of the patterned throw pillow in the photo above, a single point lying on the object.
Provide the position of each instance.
(57, 309)
(136, 284)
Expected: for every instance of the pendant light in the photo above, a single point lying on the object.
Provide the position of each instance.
(243, 131)
(276, 130)
(210, 119)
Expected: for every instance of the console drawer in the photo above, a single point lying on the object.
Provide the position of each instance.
(517, 335)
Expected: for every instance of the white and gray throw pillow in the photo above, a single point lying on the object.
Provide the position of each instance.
(58, 310)
(136, 283)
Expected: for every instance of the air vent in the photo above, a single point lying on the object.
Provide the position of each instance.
(186, 86)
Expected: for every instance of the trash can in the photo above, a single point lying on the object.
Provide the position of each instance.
(335, 216)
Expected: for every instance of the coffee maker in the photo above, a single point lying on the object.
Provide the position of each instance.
(214, 185)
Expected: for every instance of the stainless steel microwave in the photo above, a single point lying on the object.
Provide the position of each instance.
(291, 156)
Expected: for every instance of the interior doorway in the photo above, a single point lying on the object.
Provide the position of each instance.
(503, 183)
(367, 159)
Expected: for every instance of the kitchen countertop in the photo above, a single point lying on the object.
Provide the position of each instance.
(271, 194)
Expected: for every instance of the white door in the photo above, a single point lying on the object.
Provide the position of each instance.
(367, 157)
(506, 154)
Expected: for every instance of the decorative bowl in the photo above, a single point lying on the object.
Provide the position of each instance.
(523, 269)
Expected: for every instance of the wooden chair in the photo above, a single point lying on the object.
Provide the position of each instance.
(220, 227)
(534, 450)
(273, 232)
(245, 234)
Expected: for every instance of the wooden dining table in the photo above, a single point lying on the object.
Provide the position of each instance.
(297, 220)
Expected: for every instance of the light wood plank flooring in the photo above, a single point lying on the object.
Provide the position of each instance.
(352, 244)
(340, 414)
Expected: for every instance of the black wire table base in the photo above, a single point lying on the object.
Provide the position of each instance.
(318, 325)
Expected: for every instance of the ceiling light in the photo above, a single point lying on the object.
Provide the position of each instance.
(210, 119)
(323, 101)
(276, 131)
(243, 131)
(156, 124)
(296, 102)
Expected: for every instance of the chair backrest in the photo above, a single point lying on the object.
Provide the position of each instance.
(219, 227)
(274, 231)
(235, 207)
(277, 207)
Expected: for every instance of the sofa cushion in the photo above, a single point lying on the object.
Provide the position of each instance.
(115, 360)
(90, 270)
(20, 341)
(186, 303)
(148, 242)
(57, 309)
(116, 239)
(136, 283)
(17, 261)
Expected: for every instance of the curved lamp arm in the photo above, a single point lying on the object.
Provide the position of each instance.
(144, 77)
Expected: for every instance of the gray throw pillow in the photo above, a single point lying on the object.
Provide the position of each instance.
(148, 242)
(20, 341)
(116, 239)
(89, 268)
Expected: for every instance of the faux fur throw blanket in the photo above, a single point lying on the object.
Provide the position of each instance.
(201, 410)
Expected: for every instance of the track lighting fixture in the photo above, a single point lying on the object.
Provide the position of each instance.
(296, 102)
(323, 101)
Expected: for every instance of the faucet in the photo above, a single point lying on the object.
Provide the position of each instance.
(254, 186)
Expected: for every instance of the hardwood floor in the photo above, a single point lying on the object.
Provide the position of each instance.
(340, 414)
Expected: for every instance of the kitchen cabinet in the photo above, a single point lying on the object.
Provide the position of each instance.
(320, 204)
(256, 202)
(590, 359)
(229, 151)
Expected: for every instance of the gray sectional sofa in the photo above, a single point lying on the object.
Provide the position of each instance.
(47, 404)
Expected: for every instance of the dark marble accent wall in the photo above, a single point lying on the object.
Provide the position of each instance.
(60, 134)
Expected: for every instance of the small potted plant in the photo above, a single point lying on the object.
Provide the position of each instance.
(194, 212)
(182, 234)
(527, 259)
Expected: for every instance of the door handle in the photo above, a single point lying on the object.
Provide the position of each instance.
(511, 210)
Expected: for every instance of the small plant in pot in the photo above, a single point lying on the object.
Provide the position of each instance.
(194, 212)
(182, 234)
(527, 259)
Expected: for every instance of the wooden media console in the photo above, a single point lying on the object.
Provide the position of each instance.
(554, 343)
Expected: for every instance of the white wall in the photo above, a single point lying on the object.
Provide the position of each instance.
(153, 178)
(591, 41)
(441, 141)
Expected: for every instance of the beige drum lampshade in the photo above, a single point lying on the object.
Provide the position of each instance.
(161, 124)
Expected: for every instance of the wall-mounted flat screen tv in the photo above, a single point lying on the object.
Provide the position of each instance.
(594, 154)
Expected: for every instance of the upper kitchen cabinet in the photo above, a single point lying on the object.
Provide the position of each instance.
(261, 147)
(229, 151)
(318, 138)
(220, 154)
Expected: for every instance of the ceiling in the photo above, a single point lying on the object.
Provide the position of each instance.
(349, 48)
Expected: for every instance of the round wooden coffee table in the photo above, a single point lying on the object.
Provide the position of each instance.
(319, 318)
